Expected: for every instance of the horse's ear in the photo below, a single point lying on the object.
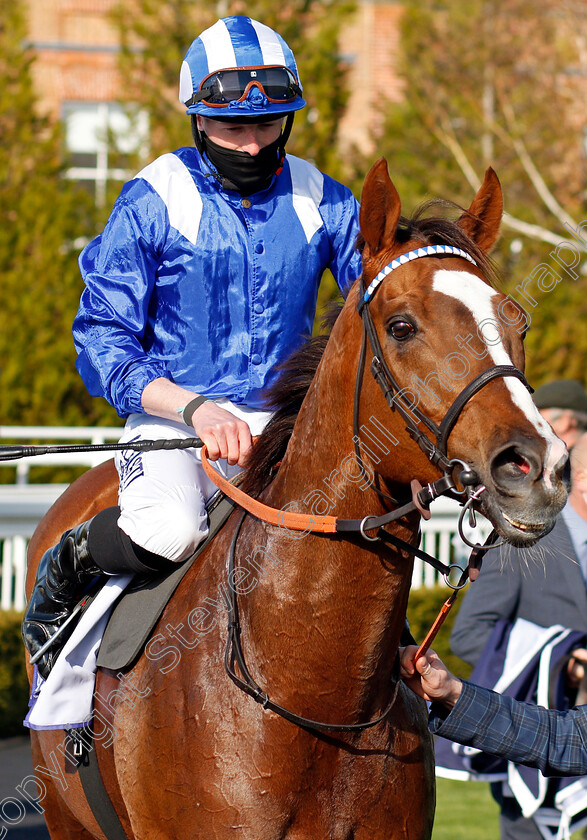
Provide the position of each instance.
(482, 220)
(380, 208)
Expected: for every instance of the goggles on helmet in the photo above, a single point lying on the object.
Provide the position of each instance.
(220, 88)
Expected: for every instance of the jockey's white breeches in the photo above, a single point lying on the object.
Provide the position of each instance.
(163, 494)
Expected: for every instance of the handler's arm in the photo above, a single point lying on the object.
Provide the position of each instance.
(553, 741)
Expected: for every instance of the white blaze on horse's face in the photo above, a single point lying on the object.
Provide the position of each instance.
(477, 296)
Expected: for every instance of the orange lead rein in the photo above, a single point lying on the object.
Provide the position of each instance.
(282, 518)
(438, 622)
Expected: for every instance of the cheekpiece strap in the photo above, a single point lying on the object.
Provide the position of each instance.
(426, 251)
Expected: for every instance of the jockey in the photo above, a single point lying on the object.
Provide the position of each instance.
(204, 280)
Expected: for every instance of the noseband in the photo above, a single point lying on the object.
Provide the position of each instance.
(435, 450)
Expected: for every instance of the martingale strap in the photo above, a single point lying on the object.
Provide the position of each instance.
(234, 654)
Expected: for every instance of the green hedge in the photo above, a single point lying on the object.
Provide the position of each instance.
(423, 607)
(14, 688)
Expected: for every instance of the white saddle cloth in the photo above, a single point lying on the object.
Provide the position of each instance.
(64, 699)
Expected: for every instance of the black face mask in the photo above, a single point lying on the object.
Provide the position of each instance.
(241, 171)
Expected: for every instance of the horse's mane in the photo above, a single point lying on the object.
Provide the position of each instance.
(285, 397)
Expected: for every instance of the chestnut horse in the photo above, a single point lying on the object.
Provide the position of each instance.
(194, 756)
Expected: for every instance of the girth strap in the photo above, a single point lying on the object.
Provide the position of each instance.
(96, 793)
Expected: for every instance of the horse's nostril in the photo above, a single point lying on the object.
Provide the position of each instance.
(521, 463)
(511, 465)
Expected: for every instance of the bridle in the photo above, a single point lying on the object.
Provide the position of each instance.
(435, 450)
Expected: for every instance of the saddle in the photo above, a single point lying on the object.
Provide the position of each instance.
(140, 606)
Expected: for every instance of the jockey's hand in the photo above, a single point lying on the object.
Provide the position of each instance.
(224, 435)
(429, 677)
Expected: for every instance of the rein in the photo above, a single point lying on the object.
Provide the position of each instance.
(421, 499)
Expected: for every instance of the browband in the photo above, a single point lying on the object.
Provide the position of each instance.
(425, 251)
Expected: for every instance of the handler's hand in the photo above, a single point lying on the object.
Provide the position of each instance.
(224, 435)
(429, 677)
(577, 667)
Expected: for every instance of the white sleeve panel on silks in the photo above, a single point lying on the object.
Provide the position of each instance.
(308, 189)
(174, 184)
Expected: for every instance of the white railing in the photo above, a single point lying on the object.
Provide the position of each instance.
(23, 504)
(57, 434)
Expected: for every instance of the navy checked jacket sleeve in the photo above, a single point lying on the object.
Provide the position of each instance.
(554, 742)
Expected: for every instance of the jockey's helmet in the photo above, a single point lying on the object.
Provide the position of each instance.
(240, 68)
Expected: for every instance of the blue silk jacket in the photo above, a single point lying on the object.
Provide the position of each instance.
(204, 287)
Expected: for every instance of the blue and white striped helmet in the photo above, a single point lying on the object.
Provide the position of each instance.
(240, 68)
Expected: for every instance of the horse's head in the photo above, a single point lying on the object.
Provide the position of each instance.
(449, 350)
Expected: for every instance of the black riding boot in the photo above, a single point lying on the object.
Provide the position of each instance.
(96, 547)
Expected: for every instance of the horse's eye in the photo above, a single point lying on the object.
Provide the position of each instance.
(400, 329)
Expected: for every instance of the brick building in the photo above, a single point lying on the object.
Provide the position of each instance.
(370, 43)
(77, 79)
(76, 47)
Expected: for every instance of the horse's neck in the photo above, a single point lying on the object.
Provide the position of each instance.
(332, 600)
